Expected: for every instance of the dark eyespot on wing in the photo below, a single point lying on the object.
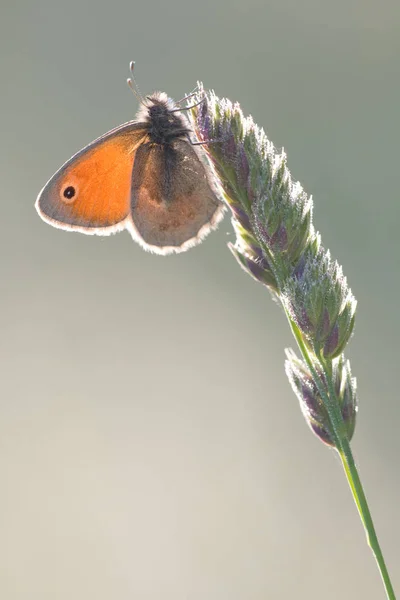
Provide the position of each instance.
(69, 192)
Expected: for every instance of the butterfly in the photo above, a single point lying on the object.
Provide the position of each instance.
(146, 176)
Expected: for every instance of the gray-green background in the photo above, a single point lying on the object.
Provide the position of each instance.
(150, 445)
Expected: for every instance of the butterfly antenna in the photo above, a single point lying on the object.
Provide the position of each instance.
(131, 81)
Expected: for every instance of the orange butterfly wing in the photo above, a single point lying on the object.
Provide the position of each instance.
(91, 192)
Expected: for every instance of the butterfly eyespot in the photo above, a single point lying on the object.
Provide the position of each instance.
(69, 192)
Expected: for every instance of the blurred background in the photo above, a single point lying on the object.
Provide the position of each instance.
(150, 444)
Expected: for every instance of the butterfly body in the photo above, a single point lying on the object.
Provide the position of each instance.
(144, 176)
(163, 125)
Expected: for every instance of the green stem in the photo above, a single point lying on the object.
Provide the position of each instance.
(357, 490)
(354, 481)
(343, 447)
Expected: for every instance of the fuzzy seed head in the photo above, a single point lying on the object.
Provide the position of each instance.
(311, 403)
(320, 302)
